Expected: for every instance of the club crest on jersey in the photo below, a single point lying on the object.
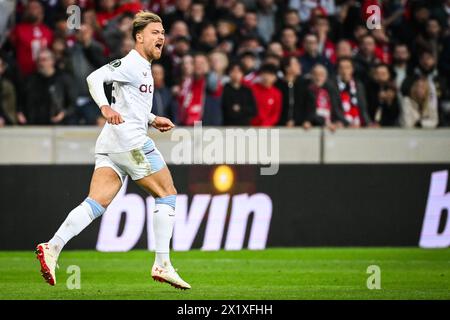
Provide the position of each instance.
(116, 63)
(145, 88)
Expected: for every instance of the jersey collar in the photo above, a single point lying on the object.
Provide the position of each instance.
(141, 59)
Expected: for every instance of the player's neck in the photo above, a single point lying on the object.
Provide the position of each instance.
(142, 53)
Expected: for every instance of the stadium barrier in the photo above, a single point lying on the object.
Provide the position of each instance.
(341, 199)
(75, 145)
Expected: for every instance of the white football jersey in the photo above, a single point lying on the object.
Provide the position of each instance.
(132, 97)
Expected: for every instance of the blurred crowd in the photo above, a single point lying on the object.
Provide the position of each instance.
(236, 62)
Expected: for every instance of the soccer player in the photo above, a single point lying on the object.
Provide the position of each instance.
(124, 148)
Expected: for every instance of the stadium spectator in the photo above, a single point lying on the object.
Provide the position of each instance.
(366, 58)
(352, 95)
(289, 42)
(163, 102)
(420, 106)
(251, 32)
(250, 25)
(171, 61)
(198, 103)
(305, 7)
(275, 48)
(30, 36)
(180, 13)
(208, 39)
(249, 64)
(7, 98)
(292, 20)
(50, 97)
(86, 55)
(266, 11)
(238, 103)
(322, 102)
(379, 89)
(268, 98)
(431, 39)
(292, 88)
(196, 18)
(311, 56)
(106, 12)
(438, 85)
(401, 64)
(321, 28)
(116, 31)
(226, 35)
(343, 50)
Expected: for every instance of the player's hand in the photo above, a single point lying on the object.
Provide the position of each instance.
(111, 116)
(162, 124)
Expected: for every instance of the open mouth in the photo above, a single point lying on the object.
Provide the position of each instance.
(159, 46)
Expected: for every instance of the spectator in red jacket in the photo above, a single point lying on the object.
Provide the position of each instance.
(30, 36)
(268, 98)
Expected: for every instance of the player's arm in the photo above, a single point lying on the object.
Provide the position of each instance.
(106, 74)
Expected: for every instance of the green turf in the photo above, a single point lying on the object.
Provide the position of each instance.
(326, 273)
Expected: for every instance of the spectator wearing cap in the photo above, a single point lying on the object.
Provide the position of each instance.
(311, 55)
(268, 98)
(238, 103)
(292, 88)
(322, 102)
(30, 36)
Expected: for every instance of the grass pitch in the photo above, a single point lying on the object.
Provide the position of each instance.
(325, 273)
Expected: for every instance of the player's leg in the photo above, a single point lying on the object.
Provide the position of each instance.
(160, 185)
(104, 186)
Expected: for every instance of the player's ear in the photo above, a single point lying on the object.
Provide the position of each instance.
(139, 37)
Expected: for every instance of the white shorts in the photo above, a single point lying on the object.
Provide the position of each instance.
(137, 163)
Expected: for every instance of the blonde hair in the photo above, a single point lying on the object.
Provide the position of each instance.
(142, 19)
(422, 102)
